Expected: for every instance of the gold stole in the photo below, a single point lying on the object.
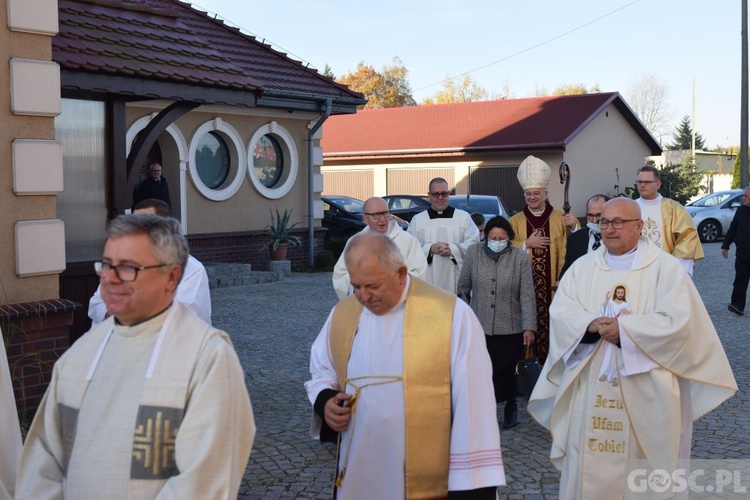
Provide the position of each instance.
(605, 444)
(428, 317)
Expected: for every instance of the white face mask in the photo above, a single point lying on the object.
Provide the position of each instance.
(497, 245)
(594, 227)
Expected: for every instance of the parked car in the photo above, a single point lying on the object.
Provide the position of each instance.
(487, 205)
(406, 206)
(342, 216)
(713, 213)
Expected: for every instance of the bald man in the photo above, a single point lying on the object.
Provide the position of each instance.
(628, 328)
(378, 220)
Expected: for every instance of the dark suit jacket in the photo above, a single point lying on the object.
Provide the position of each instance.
(739, 233)
(577, 246)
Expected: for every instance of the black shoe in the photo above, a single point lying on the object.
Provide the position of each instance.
(510, 414)
(736, 310)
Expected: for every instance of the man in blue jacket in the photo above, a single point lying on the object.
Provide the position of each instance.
(739, 233)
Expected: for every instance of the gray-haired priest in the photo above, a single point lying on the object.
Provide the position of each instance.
(151, 402)
(400, 370)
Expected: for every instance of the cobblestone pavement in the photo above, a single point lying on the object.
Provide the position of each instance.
(273, 325)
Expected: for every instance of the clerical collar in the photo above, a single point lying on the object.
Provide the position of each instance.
(538, 213)
(622, 262)
(145, 320)
(445, 214)
(655, 201)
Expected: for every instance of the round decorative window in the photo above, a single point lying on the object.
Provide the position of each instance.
(272, 160)
(212, 160)
(268, 161)
(217, 160)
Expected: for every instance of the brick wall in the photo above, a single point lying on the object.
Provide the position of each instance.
(244, 248)
(36, 335)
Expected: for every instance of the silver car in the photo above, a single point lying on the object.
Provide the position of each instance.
(713, 213)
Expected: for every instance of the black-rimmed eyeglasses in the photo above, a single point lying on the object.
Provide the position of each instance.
(616, 223)
(444, 194)
(124, 272)
(378, 215)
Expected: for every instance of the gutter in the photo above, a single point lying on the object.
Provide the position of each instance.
(310, 181)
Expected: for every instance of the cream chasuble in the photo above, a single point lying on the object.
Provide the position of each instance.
(10, 431)
(374, 446)
(140, 412)
(458, 231)
(671, 359)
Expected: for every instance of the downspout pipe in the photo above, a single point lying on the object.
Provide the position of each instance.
(311, 180)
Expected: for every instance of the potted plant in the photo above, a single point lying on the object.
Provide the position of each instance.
(279, 231)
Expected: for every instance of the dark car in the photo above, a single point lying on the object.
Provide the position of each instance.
(487, 205)
(406, 206)
(342, 216)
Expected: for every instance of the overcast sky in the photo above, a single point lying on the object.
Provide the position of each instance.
(525, 46)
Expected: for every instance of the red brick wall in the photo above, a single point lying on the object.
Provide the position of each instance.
(36, 335)
(244, 248)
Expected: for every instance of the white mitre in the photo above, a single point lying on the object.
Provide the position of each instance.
(533, 173)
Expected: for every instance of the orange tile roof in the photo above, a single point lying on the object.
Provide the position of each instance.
(508, 124)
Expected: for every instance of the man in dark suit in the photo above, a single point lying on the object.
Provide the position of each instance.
(587, 239)
(154, 186)
(739, 233)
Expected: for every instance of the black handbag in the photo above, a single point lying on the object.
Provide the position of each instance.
(527, 372)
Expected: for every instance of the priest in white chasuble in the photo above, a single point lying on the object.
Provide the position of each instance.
(542, 231)
(150, 403)
(665, 222)
(445, 234)
(634, 360)
(401, 378)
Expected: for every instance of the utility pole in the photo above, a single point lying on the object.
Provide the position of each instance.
(692, 125)
(743, 105)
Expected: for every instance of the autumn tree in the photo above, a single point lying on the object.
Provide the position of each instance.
(683, 136)
(388, 88)
(575, 89)
(467, 90)
(647, 97)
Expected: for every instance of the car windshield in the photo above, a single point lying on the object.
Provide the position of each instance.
(351, 205)
(711, 200)
(471, 205)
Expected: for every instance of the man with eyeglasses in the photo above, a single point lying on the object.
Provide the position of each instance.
(193, 290)
(625, 384)
(586, 239)
(378, 220)
(153, 186)
(542, 231)
(665, 222)
(150, 403)
(445, 233)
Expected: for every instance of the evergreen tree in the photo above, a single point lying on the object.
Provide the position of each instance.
(683, 137)
(680, 182)
(327, 71)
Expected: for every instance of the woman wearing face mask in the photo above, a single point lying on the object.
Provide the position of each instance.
(496, 281)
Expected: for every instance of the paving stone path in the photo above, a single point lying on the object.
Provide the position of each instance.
(274, 324)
